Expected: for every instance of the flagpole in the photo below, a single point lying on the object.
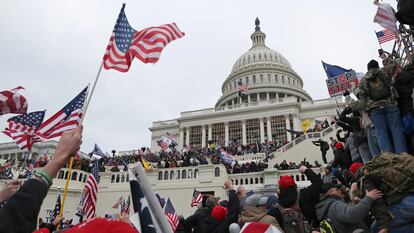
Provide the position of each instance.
(72, 158)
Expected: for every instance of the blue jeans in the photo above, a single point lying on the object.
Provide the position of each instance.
(372, 142)
(388, 120)
(404, 216)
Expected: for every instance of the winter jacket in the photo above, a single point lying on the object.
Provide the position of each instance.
(342, 159)
(351, 146)
(309, 196)
(404, 84)
(257, 214)
(345, 217)
(20, 212)
(211, 225)
(387, 72)
(194, 221)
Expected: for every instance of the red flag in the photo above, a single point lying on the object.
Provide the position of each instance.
(257, 227)
(12, 102)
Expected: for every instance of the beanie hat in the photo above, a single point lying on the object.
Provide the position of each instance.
(355, 166)
(339, 146)
(372, 64)
(219, 213)
(286, 182)
(102, 225)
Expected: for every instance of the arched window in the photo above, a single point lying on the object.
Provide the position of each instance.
(196, 173)
(172, 175)
(297, 178)
(74, 176)
(123, 178)
(217, 172)
(256, 180)
(276, 79)
(261, 180)
(303, 177)
(159, 175)
(80, 176)
(113, 179)
(190, 174)
(66, 175)
(166, 175)
(184, 174)
(178, 174)
(61, 174)
(241, 181)
(117, 178)
(84, 179)
(251, 180)
(237, 182)
(246, 181)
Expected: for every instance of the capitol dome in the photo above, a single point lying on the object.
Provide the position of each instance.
(266, 73)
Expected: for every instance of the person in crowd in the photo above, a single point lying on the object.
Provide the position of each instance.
(241, 194)
(288, 193)
(324, 147)
(393, 176)
(220, 217)
(379, 100)
(404, 84)
(328, 176)
(255, 211)
(193, 223)
(20, 212)
(309, 196)
(333, 143)
(345, 217)
(342, 157)
(357, 142)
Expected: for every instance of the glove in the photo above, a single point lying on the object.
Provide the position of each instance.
(346, 93)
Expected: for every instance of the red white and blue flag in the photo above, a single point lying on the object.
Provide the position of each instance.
(164, 142)
(197, 198)
(127, 43)
(385, 36)
(385, 17)
(67, 118)
(258, 227)
(125, 206)
(172, 216)
(22, 128)
(12, 102)
(91, 192)
(226, 157)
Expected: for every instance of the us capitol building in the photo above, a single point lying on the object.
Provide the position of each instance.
(275, 101)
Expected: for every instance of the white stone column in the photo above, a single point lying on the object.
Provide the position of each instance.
(241, 100)
(296, 123)
(181, 142)
(277, 96)
(226, 133)
(258, 97)
(289, 135)
(248, 98)
(244, 136)
(187, 139)
(203, 136)
(232, 102)
(210, 132)
(267, 96)
(262, 132)
(269, 129)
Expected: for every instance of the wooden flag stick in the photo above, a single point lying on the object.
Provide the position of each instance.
(72, 158)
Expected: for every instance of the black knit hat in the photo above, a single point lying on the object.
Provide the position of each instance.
(372, 64)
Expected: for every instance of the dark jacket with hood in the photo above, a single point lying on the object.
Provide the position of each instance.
(195, 221)
(345, 217)
(404, 84)
(342, 159)
(212, 225)
(309, 196)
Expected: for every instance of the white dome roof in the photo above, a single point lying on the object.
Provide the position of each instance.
(260, 55)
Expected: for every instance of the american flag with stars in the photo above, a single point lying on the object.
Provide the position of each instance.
(172, 216)
(22, 128)
(385, 36)
(91, 192)
(125, 206)
(13, 102)
(58, 206)
(67, 118)
(127, 43)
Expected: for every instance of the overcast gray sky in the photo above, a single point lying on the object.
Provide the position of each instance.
(54, 49)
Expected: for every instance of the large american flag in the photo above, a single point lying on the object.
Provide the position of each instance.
(66, 119)
(126, 43)
(58, 206)
(386, 18)
(385, 36)
(12, 102)
(197, 198)
(91, 192)
(172, 216)
(164, 142)
(22, 128)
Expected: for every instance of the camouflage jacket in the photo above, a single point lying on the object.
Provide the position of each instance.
(394, 176)
(388, 72)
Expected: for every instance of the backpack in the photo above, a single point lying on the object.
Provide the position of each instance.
(380, 90)
(326, 225)
(294, 222)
